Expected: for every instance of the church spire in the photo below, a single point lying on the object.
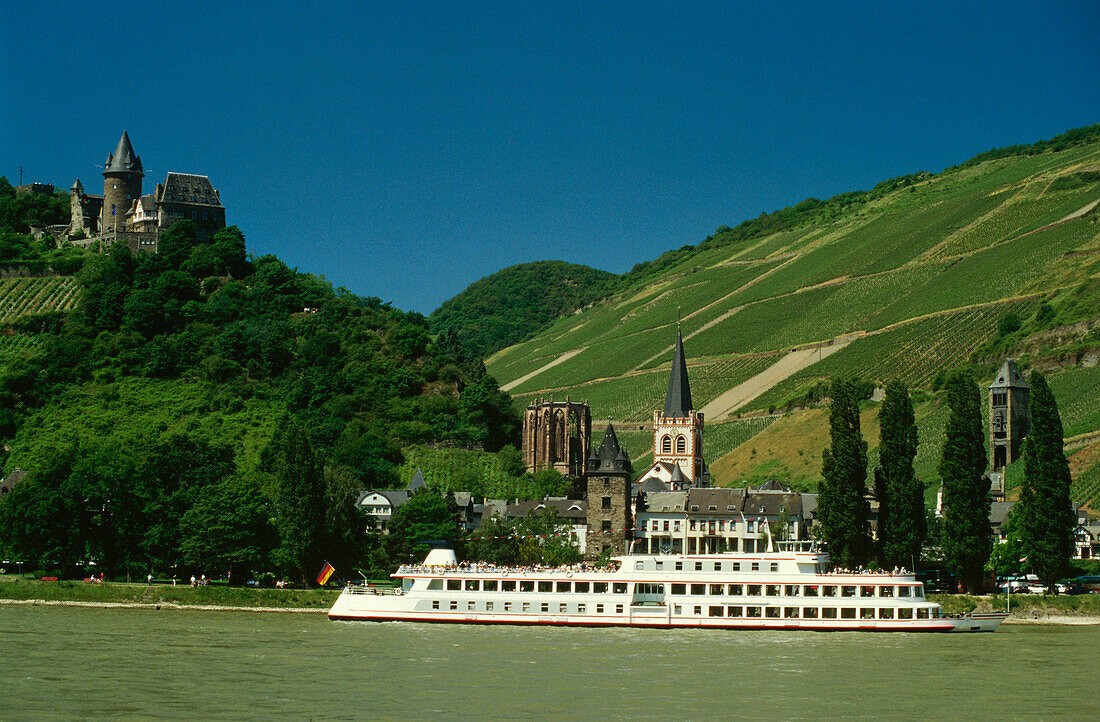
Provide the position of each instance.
(678, 399)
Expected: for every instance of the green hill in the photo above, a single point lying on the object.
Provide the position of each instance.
(922, 273)
(517, 302)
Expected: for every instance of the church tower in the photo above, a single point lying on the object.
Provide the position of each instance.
(678, 428)
(1009, 421)
(122, 176)
(609, 522)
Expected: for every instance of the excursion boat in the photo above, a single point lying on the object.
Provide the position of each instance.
(790, 588)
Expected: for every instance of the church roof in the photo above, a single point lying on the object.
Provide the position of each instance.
(124, 159)
(417, 481)
(678, 399)
(1009, 377)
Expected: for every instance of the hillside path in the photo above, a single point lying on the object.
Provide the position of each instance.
(560, 359)
(725, 404)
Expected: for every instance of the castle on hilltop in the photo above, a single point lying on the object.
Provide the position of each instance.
(124, 214)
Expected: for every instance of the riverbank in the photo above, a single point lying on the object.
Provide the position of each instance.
(1027, 608)
(211, 597)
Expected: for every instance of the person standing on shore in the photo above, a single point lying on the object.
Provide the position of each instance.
(149, 579)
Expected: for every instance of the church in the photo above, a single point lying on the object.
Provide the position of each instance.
(124, 213)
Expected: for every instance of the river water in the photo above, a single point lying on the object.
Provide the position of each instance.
(60, 662)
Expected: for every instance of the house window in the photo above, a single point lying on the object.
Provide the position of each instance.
(666, 525)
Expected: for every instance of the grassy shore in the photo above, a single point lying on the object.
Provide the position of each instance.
(1024, 606)
(182, 594)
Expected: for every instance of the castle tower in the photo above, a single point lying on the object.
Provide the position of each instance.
(608, 485)
(76, 207)
(122, 176)
(1009, 420)
(678, 428)
(557, 435)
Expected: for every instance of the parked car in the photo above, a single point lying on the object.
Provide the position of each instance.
(1070, 586)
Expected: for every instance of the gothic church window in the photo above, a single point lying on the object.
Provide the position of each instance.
(681, 445)
(666, 445)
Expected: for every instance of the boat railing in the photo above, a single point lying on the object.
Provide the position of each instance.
(804, 545)
(373, 590)
(494, 569)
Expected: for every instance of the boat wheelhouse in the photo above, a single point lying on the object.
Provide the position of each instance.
(790, 588)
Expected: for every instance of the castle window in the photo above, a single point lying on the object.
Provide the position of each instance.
(666, 445)
(606, 504)
(605, 527)
(681, 445)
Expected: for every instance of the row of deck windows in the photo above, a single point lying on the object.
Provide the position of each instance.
(717, 566)
(866, 591)
(735, 611)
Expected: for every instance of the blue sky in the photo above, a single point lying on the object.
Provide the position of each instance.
(405, 150)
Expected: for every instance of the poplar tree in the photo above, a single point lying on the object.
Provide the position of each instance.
(901, 521)
(967, 541)
(299, 496)
(843, 509)
(1046, 517)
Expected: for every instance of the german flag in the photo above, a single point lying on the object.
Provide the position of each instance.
(326, 572)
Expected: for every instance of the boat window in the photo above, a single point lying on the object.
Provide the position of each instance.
(677, 609)
(866, 591)
(472, 585)
(736, 565)
(716, 611)
(752, 611)
(886, 591)
(659, 564)
(772, 590)
(754, 590)
(936, 613)
(736, 590)
(903, 591)
(679, 566)
(470, 606)
(755, 567)
(435, 584)
(618, 587)
(809, 612)
(697, 610)
(809, 590)
(771, 612)
(848, 613)
(918, 591)
(718, 566)
(886, 613)
(526, 585)
(581, 587)
(561, 607)
(546, 586)
(698, 589)
(698, 566)
(829, 590)
(454, 585)
(454, 604)
(905, 613)
(508, 585)
(717, 589)
(507, 606)
(618, 609)
(644, 588)
(488, 606)
(790, 612)
(867, 613)
(599, 587)
(599, 609)
(733, 611)
(435, 604)
(775, 566)
(581, 609)
(847, 591)
(639, 565)
(828, 613)
(489, 585)
(922, 613)
(679, 589)
(545, 607)
(565, 586)
(791, 590)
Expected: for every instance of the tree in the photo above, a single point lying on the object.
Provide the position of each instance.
(229, 528)
(299, 495)
(1046, 516)
(426, 516)
(967, 541)
(842, 506)
(901, 520)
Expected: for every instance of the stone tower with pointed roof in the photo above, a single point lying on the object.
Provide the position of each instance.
(1009, 420)
(122, 174)
(678, 428)
(608, 493)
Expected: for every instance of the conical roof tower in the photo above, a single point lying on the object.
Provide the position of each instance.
(678, 398)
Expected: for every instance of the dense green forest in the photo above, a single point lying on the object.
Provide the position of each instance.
(201, 408)
(518, 302)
